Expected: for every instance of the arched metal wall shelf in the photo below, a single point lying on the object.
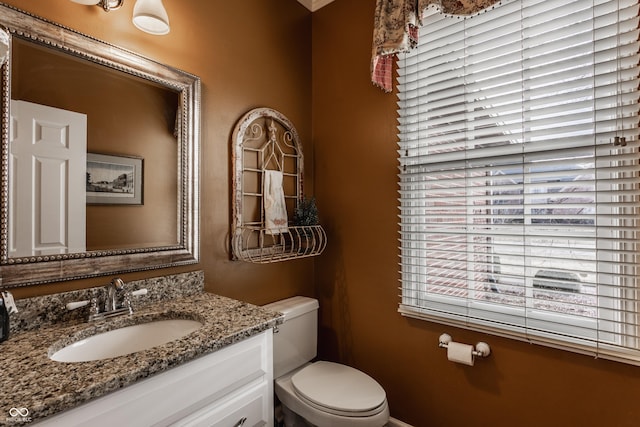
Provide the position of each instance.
(264, 140)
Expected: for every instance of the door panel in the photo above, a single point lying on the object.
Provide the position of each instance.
(47, 160)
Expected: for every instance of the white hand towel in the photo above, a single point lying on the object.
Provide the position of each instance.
(275, 208)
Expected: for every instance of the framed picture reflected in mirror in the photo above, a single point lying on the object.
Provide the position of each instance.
(114, 180)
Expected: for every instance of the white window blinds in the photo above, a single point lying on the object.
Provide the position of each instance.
(519, 174)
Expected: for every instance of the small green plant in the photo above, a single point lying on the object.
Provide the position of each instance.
(306, 212)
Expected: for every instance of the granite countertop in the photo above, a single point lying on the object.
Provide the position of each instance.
(29, 379)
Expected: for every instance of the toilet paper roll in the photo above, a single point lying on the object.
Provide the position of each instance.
(460, 353)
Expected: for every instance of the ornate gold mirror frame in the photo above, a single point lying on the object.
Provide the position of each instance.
(31, 270)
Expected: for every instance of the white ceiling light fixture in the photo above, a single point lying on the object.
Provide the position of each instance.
(149, 16)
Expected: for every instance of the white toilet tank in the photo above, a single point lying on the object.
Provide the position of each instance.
(296, 340)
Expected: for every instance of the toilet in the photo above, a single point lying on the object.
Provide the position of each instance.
(319, 393)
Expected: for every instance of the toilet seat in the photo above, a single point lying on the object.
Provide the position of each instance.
(338, 389)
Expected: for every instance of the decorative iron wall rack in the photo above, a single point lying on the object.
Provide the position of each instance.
(264, 140)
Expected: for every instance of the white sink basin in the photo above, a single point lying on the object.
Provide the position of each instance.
(129, 339)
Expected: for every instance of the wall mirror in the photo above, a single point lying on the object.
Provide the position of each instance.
(100, 157)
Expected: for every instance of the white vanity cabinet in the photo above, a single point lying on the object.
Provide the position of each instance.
(228, 388)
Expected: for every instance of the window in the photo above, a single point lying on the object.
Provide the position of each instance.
(520, 176)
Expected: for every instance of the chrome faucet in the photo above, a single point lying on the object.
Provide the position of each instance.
(115, 301)
(112, 301)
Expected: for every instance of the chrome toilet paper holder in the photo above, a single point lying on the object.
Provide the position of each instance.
(481, 349)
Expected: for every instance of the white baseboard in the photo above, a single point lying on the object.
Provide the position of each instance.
(397, 423)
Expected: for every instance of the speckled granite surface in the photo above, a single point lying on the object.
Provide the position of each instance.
(46, 310)
(29, 379)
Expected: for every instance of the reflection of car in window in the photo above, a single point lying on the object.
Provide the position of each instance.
(556, 280)
(552, 280)
(554, 201)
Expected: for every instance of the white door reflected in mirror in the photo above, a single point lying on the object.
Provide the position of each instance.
(48, 160)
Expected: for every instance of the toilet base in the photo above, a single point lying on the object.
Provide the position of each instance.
(291, 419)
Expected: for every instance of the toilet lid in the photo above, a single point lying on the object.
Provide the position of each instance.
(338, 387)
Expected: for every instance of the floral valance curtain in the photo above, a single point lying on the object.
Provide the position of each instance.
(396, 30)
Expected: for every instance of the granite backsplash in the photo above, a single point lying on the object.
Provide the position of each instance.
(46, 310)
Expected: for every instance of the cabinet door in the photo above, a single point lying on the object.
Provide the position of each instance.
(248, 408)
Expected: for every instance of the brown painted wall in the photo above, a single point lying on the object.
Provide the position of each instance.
(356, 279)
(249, 53)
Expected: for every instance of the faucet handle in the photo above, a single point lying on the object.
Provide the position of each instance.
(139, 292)
(77, 304)
(126, 303)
